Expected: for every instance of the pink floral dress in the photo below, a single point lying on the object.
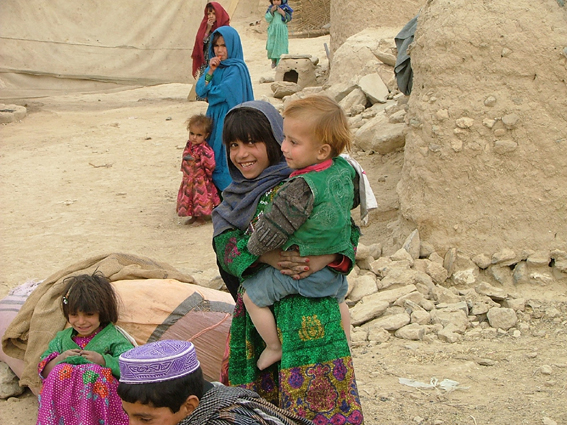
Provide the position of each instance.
(197, 194)
(77, 392)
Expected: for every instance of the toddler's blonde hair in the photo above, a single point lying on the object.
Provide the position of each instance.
(330, 124)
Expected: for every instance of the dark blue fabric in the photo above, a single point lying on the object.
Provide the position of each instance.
(286, 8)
(231, 85)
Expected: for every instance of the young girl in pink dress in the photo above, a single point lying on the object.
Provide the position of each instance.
(197, 194)
(80, 368)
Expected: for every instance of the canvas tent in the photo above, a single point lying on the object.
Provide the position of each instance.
(47, 46)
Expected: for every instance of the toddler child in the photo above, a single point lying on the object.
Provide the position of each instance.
(310, 213)
(197, 194)
(278, 15)
(162, 383)
(80, 366)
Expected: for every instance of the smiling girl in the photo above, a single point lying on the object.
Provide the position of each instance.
(80, 367)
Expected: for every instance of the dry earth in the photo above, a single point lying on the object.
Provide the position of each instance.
(89, 174)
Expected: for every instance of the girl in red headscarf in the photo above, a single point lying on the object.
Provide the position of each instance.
(215, 16)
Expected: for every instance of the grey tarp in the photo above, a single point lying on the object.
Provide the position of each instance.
(402, 69)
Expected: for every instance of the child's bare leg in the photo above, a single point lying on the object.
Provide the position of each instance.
(190, 220)
(345, 319)
(265, 323)
(199, 221)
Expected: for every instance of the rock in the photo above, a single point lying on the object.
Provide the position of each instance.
(497, 294)
(505, 146)
(502, 318)
(400, 277)
(546, 370)
(377, 334)
(365, 311)
(444, 295)
(363, 286)
(390, 295)
(449, 260)
(457, 319)
(447, 335)
(374, 88)
(284, 88)
(412, 244)
(402, 254)
(413, 297)
(413, 331)
(420, 317)
(392, 322)
(461, 305)
(437, 272)
(381, 266)
(397, 117)
(516, 304)
(339, 91)
(505, 257)
(355, 97)
(9, 386)
(482, 261)
(381, 136)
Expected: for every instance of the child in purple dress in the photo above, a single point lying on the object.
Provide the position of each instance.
(197, 194)
(80, 368)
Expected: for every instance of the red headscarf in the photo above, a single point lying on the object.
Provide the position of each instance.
(222, 20)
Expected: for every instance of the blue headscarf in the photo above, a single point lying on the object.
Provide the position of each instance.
(286, 8)
(241, 197)
(239, 86)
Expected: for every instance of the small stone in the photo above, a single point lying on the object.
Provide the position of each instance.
(546, 370)
(464, 122)
(490, 101)
(510, 121)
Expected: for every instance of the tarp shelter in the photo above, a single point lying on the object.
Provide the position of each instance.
(49, 46)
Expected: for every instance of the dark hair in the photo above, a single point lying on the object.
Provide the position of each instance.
(90, 294)
(216, 36)
(249, 124)
(172, 393)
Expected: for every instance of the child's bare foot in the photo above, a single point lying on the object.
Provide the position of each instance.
(198, 221)
(268, 358)
(191, 220)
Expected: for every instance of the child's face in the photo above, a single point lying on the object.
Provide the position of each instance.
(84, 323)
(211, 16)
(197, 134)
(299, 146)
(250, 158)
(146, 414)
(220, 49)
(277, 2)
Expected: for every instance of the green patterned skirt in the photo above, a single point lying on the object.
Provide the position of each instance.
(315, 378)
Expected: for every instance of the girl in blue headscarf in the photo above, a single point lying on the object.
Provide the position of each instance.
(225, 84)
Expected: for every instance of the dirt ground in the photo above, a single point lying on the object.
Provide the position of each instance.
(90, 174)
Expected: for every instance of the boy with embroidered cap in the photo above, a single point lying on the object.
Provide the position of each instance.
(161, 383)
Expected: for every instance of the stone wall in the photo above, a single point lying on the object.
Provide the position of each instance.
(485, 163)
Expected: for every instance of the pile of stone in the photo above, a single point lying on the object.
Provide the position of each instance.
(416, 297)
(361, 80)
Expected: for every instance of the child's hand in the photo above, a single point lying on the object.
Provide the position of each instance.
(94, 357)
(188, 158)
(214, 63)
(274, 8)
(68, 353)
